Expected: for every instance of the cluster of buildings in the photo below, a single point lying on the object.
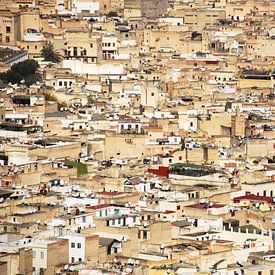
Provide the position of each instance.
(149, 149)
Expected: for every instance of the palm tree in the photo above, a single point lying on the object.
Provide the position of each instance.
(50, 54)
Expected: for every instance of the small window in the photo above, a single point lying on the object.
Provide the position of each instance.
(7, 39)
(72, 245)
(72, 259)
(78, 245)
(8, 29)
(80, 259)
(42, 255)
(145, 235)
(91, 45)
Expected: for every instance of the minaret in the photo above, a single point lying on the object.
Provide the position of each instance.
(238, 124)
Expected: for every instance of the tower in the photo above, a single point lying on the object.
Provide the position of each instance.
(238, 124)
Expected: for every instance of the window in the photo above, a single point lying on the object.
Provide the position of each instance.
(84, 219)
(271, 272)
(72, 245)
(78, 245)
(8, 29)
(42, 255)
(180, 158)
(7, 39)
(259, 272)
(72, 259)
(178, 207)
(91, 45)
(145, 235)
(152, 94)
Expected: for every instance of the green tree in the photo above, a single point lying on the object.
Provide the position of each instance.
(23, 72)
(50, 54)
(112, 14)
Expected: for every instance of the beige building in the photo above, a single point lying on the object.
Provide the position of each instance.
(145, 8)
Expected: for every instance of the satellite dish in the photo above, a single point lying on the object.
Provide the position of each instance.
(66, 267)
